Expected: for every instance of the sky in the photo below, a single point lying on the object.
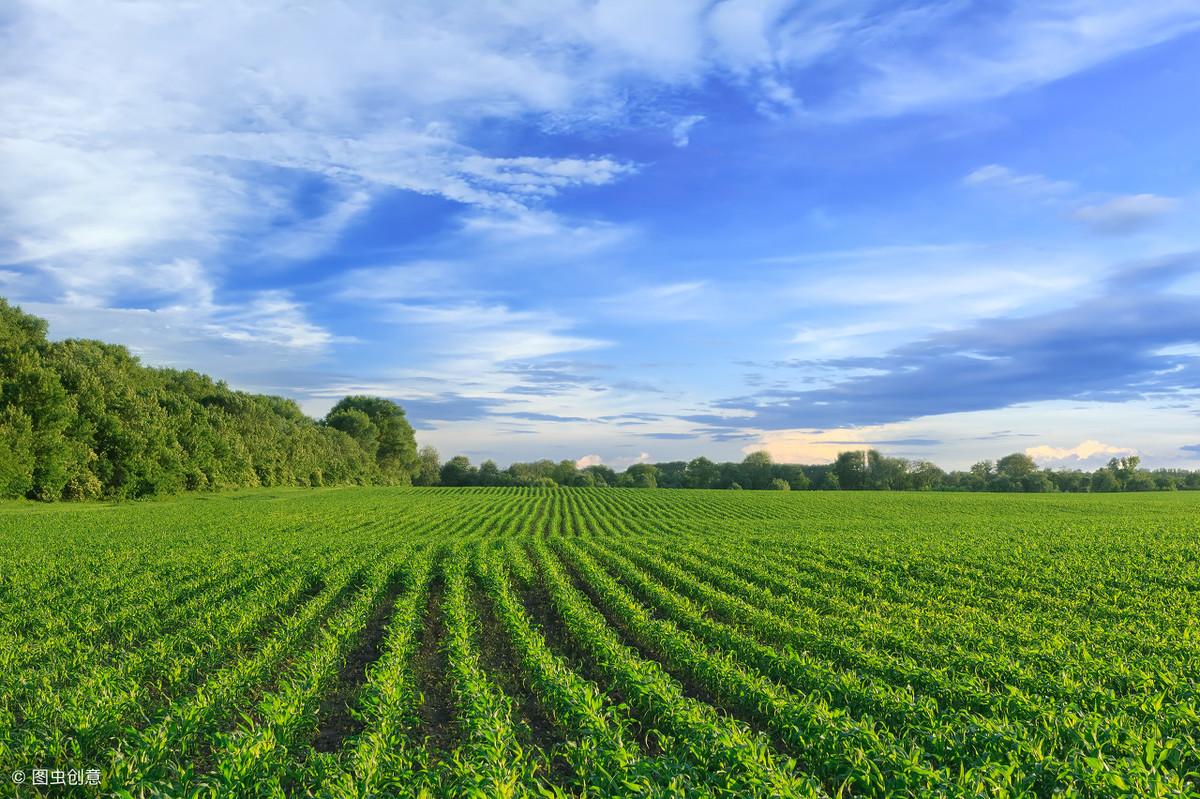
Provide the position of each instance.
(617, 231)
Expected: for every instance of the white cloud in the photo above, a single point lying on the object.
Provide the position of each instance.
(1081, 452)
(1117, 215)
(478, 336)
(420, 280)
(682, 130)
(622, 463)
(542, 176)
(543, 232)
(140, 133)
(1126, 214)
(1028, 184)
(667, 302)
(940, 55)
(588, 460)
(243, 343)
(271, 317)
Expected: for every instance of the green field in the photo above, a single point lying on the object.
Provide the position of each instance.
(582, 642)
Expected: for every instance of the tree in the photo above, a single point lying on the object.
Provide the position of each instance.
(29, 385)
(16, 454)
(924, 476)
(1140, 481)
(701, 473)
(1037, 483)
(1124, 468)
(756, 470)
(793, 475)
(672, 474)
(489, 474)
(1103, 480)
(81, 419)
(582, 480)
(851, 469)
(884, 472)
(429, 467)
(641, 475)
(395, 446)
(564, 473)
(357, 425)
(1016, 466)
(458, 472)
(779, 484)
(602, 475)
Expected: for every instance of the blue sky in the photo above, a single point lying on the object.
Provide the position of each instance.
(616, 231)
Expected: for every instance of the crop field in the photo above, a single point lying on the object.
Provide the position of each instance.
(587, 642)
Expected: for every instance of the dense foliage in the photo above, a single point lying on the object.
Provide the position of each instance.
(573, 642)
(856, 470)
(82, 419)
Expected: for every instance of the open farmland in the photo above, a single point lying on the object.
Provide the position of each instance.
(513, 642)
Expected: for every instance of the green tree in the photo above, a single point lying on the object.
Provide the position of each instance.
(602, 475)
(429, 467)
(793, 475)
(851, 469)
(582, 480)
(756, 470)
(30, 386)
(642, 475)
(16, 454)
(1037, 483)
(924, 476)
(701, 473)
(884, 472)
(1103, 480)
(395, 446)
(779, 484)
(1016, 466)
(489, 474)
(458, 472)
(1140, 481)
(1124, 469)
(564, 473)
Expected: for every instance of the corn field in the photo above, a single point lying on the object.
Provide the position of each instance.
(587, 642)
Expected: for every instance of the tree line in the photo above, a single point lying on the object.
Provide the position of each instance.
(861, 470)
(82, 419)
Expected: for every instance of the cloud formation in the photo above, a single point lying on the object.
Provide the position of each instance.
(1127, 214)
(1081, 452)
(1107, 347)
(1033, 185)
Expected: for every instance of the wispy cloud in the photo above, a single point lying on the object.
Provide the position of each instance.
(1126, 214)
(1032, 185)
(1117, 215)
(1107, 347)
(664, 302)
(682, 130)
(933, 56)
(491, 333)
